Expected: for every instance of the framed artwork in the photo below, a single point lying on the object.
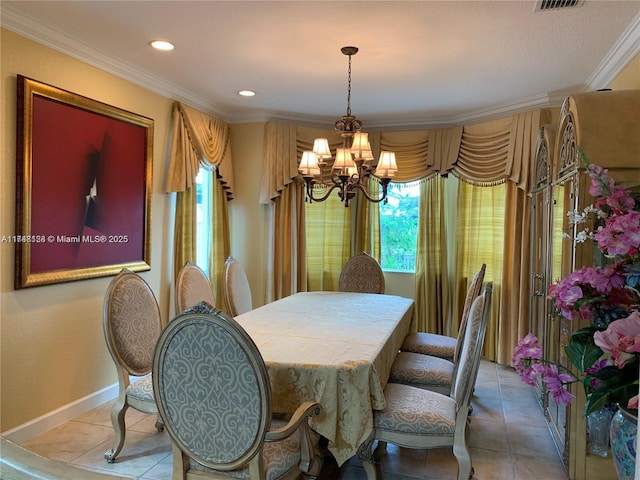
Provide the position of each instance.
(83, 187)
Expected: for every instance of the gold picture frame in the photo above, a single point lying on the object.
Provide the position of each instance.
(83, 187)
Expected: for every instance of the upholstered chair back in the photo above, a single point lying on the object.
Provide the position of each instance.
(471, 350)
(212, 388)
(237, 290)
(192, 287)
(131, 322)
(472, 293)
(362, 274)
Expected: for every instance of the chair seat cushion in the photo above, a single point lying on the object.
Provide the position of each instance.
(430, 344)
(421, 370)
(415, 411)
(279, 457)
(141, 389)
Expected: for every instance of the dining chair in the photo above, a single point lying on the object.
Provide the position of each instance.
(132, 325)
(432, 372)
(214, 394)
(444, 346)
(361, 274)
(237, 291)
(192, 286)
(422, 419)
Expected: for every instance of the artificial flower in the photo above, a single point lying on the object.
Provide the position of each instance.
(555, 382)
(621, 339)
(605, 355)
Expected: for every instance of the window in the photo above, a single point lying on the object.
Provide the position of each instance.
(204, 200)
(399, 227)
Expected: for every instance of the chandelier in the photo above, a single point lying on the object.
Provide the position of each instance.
(353, 164)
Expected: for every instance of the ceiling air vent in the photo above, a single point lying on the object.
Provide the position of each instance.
(544, 5)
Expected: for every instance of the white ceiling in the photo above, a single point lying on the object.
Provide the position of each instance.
(421, 63)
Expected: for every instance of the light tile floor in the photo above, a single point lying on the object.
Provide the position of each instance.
(508, 438)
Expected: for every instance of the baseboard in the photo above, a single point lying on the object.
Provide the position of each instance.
(24, 432)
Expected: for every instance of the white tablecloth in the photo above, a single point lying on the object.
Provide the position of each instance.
(335, 348)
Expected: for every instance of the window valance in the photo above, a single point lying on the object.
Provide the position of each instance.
(198, 138)
(482, 157)
(483, 154)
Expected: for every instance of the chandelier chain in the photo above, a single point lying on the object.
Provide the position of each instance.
(349, 89)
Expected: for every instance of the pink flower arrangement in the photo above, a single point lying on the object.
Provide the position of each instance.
(621, 340)
(607, 353)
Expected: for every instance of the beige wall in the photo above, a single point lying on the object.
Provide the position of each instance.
(629, 77)
(51, 341)
(248, 219)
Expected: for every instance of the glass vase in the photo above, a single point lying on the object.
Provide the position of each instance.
(623, 432)
(598, 425)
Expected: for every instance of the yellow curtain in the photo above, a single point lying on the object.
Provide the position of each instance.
(284, 193)
(483, 152)
(432, 291)
(366, 232)
(480, 239)
(524, 134)
(184, 234)
(281, 160)
(516, 273)
(444, 145)
(289, 255)
(220, 243)
(366, 216)
(199, 138)
(328, 242)
(411, 153)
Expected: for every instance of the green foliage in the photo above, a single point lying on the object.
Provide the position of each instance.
(609, 384)
(399, 230)
(581, 350)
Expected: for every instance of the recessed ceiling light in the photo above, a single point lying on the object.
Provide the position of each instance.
(162, 45)
(246, 93)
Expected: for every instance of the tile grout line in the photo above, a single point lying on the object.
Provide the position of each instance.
(506, 429)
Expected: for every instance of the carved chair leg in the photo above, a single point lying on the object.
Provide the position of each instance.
(380, 450)
(159, 424)
(465, 470)
(117, 419)
(365, 455)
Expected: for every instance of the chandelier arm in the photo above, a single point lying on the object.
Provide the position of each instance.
(384, 182)
(331, 182)
(310, 195)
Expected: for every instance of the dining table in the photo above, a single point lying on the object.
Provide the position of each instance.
(335, 348)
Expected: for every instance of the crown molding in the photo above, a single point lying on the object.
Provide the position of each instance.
(422, 121)
(622, 52)
(627, 46)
